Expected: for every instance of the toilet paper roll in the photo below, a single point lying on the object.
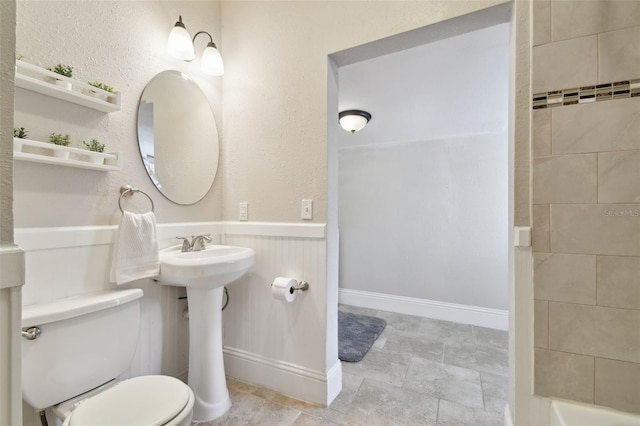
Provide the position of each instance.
(282, 289)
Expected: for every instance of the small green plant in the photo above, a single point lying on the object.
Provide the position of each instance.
(59, 139)
(101, 86)
(19, 56)
(94, 145)
(65, 70)
(20, 132)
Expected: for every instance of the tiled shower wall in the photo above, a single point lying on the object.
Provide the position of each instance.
(586, 202)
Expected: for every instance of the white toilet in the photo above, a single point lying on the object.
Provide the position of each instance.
(85, 342)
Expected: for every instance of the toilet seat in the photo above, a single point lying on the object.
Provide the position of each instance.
(144, 400)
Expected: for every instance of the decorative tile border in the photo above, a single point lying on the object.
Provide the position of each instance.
(582, 95)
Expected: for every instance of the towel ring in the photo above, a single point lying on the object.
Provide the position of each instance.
(127, 191)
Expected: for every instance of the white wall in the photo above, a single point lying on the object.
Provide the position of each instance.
(423, 187)
(426, 219)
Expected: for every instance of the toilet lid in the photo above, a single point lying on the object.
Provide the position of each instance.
(145, 400)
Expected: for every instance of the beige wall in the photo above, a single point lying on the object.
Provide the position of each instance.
(275, 86)
(123, 44)
(586, 216)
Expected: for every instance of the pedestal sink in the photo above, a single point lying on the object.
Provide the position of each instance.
(204, 273)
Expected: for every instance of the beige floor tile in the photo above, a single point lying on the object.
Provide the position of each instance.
(377, 401)
(495, 390)
(477, 357)
(445, 331)
(404, 323)
(416, 347)
(452, 414)
(443, 381)
(491, 337)
(270, 413)
(388, 367)
(364, 401)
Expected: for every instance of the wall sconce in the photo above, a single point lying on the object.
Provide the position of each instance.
(353, 120)
(180, 46)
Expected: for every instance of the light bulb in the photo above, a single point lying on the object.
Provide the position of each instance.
(211, 62)
(179, 44)
(353, 120)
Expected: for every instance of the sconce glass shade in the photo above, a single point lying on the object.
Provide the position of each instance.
(211, 61)
(179, 44)
(353, 120)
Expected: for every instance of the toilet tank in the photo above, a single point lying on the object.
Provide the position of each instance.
(86, 340)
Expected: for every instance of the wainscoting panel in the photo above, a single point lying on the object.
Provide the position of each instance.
(270, 342)
(66, 261)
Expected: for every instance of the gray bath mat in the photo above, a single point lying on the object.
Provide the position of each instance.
(356, 334)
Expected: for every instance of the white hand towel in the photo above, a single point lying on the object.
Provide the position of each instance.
(135, 252)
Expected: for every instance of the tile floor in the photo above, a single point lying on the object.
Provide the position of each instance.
(419, 372)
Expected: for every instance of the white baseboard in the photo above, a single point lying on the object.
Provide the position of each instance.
(288, 379)
(334, 382)
(465, 314)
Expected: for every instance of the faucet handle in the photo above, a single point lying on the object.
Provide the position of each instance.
(186, 245)
(198, 242)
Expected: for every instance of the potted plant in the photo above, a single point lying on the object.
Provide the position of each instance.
(61, 140)
(66, 71)
(94, 145)
(102, 86)
(19, 133)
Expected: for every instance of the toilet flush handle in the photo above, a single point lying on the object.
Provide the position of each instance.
(31, 333)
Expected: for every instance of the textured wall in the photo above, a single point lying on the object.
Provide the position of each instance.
(7, 55)
(586, 216)
(432, 225)
(275, 113)
(123, 44)
(423, 188)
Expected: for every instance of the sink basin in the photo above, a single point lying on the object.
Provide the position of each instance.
(204, 273)
(215, 266)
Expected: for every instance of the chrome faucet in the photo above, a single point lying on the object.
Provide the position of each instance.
(197, 243)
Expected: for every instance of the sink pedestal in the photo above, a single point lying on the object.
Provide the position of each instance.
(205, 273)
(206, 363)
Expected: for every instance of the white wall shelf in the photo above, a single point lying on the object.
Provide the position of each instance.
(38, 152)
(40, 80)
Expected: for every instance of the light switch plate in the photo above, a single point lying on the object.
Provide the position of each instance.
(244, 211)
(306, 212)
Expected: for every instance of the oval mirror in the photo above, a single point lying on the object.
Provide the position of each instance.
(178, 137)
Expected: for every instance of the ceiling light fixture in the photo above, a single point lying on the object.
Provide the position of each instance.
(180, 45)
(353, 119)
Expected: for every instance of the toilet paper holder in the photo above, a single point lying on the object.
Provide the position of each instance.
(302, 285)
